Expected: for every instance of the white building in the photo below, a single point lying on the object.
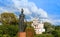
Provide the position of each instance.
(38, 26)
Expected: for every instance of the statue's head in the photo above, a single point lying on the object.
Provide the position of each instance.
(22, 11)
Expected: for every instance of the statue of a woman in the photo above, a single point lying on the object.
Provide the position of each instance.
(22, 26)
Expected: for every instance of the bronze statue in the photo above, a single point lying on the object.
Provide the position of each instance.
(22, 25)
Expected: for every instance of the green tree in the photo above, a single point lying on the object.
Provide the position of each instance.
(8, 18)
(55, 33)
(57, 27)
(48, 27)
(8, 30)
(12, 30)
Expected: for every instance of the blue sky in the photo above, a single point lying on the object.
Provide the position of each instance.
(51, 6)
(49, 9)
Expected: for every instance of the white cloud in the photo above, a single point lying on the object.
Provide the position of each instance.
(2, 10)
(42, 13)
(33, 7)
(56, 21)
(26, 11)
(52, 21)
(29, 8)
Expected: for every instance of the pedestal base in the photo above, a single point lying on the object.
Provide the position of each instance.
(22, 34)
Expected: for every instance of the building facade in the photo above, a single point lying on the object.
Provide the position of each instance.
(38, 26)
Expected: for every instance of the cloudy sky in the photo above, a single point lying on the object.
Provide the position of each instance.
(46, 10)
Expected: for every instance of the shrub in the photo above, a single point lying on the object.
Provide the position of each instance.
(0, 35)
(5, 35)
(44, 35)
(29, 32)
(58, 33)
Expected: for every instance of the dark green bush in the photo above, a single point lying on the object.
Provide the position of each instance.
(44, 35)
(56, 33)
(11, 30)
(30, 31)
(0, 35)
(6, 35)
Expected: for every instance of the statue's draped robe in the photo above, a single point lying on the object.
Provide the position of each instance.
(22, 26)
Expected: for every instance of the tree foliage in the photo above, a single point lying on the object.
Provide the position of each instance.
(48, 27)
(10, 29)
(44, 35)
(57, 27)
(8, 18)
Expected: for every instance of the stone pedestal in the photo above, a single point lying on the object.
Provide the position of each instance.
(22, 34)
